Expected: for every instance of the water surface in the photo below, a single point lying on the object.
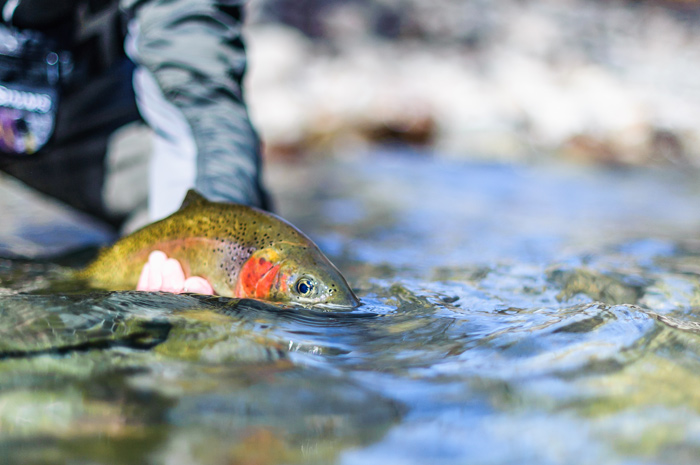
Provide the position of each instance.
(531, 315)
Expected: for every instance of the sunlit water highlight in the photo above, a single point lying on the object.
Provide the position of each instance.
(511, 315)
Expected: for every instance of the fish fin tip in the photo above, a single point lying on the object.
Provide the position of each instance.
(192, 198)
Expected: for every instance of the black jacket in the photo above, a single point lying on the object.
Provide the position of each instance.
(195, 51)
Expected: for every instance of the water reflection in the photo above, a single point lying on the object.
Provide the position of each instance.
(573, 339)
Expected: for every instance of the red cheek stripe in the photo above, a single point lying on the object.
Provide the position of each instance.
(262, 289)
(256, 278)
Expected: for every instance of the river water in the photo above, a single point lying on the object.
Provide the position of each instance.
(511, 314)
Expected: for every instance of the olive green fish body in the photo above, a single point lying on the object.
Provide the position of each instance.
(240, 250)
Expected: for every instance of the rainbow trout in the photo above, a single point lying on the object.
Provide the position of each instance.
(240, 250)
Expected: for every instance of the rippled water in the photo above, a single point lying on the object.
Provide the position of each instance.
(511, 315)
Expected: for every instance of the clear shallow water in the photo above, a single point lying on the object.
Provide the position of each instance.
(512, 315)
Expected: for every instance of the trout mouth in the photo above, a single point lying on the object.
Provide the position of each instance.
(336, 307)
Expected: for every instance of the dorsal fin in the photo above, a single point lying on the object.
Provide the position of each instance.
(193, 198)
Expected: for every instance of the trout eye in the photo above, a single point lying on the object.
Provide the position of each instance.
(305, 287)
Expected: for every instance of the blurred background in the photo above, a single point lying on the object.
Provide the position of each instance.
(579, 84)
(510, 187)
(604, 82)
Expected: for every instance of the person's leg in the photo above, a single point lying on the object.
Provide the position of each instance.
(72, 172)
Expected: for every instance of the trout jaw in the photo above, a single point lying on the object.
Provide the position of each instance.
(342, 298)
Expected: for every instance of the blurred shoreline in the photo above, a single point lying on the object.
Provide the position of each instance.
(613, 83)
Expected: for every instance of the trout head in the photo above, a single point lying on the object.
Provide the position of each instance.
(300, 275)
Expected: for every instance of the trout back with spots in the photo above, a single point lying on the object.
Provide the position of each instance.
(240, 250)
